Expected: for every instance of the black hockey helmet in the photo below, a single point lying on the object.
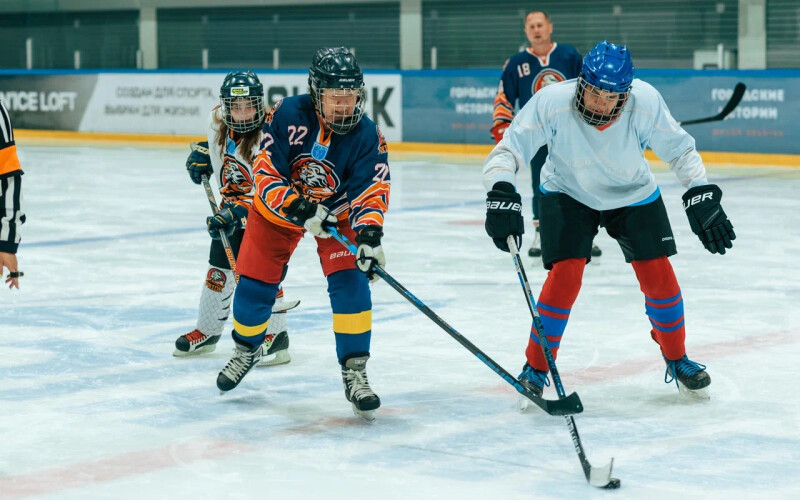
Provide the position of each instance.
(242, 89)
(337, 88)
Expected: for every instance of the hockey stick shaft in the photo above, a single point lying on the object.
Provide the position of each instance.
(561, 407)
(537, 321)
(596, 477)
(226, 244)
(736, 97)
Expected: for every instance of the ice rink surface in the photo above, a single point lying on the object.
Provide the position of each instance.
(94, 405)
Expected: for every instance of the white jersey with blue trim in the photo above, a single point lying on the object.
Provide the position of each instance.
(602, 167)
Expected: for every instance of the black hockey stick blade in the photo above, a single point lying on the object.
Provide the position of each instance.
(569, 405)
(736, 98)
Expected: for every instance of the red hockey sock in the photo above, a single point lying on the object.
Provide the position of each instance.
(559, 292)
(663, 304)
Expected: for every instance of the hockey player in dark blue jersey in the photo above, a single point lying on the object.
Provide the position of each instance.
(322, 163)
(542, 63)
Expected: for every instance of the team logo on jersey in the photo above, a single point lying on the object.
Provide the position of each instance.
(382, 147)
(236, 179)
(547, 76)
(215, 280)
(314, 179)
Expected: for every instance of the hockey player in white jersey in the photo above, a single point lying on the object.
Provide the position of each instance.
(596, 175)
(234, 134)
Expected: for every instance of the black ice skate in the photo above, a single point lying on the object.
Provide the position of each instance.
(596, 252)
(533, 380)
(536, 247)
(195, 342)
(357, 389)
(244, 358)
(276, 349)
(690, 377)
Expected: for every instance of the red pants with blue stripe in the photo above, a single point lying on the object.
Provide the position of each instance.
(263, 258)
(663, 305)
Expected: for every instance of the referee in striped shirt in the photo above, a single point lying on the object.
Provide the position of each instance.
(11, 216)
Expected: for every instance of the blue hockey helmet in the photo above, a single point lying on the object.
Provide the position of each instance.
(240, 91)
(607, 73)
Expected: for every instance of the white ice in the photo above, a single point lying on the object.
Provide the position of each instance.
(94, 405)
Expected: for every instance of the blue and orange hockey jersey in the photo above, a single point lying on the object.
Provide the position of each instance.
(347, 173)
(525, 73)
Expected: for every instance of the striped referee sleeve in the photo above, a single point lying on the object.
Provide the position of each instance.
(11, 215)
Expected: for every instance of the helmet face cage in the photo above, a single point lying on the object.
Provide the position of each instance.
(341, 108)
(337, 88)
(606, 105)
(243, 106)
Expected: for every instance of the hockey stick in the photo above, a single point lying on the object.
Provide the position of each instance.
(566, 406)
(222, 236)
(736, 97)
(599, 477)
(277, 308)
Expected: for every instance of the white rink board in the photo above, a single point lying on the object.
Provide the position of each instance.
(167, 103)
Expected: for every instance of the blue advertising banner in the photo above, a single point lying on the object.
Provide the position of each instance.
(456, 107)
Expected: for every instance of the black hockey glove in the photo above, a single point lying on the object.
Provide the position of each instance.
(313, 216)
(504, 215)
(230, 218)
(707, 219)
(199, 163)
(369, 252)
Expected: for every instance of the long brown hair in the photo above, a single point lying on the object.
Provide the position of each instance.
(246, 142)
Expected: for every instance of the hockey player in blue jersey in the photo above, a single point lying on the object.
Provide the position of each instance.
(542, 63)
(322, 163)
(596, 175)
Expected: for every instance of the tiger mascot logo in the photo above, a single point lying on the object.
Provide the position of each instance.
(314, 179)
(215, 280)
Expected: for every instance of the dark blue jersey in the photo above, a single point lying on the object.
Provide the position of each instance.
(347, 173)
(525, 73)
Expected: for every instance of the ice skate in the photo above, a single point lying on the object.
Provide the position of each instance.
(596, 252)
(690, 377)
(276, 341)
(533, 380)
(244, 358)
(357, 389)
(276, 350)
(536, 247)
(194, 343)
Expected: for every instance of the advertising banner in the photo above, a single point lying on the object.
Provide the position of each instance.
(161, 103)
(456, 107)
(444, 106)
(449, 106)
(46, 102)
(765, 121)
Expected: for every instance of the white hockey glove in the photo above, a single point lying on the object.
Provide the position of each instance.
(313, 216)
(370, 252)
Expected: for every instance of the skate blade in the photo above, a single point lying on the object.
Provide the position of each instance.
(275, 359)
(200, 350)
(368, 415)
(698, 395)
(286, 306)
